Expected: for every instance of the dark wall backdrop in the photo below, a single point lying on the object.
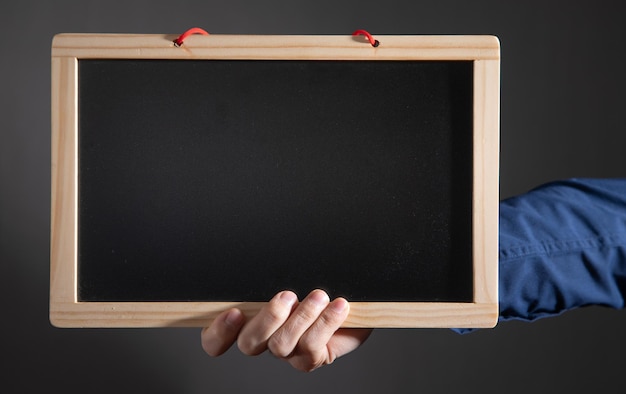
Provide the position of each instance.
(563, 104)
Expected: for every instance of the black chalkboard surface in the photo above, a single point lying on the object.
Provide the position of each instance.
(228, 180)
(232, 180)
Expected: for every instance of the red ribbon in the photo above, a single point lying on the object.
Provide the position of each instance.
(369, 37)
(194, 30)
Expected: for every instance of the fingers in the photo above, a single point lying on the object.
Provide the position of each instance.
(284, 340)
(255, 335)
(306, 334)
(313, 348)
(222, 333)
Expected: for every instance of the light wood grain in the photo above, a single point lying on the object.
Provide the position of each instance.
(201, 314)
(276, 47)
(67, 49)
(63, 234)
(486, 174)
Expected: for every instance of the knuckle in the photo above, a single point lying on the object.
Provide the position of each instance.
(248, 346)
(210, 344)
(332, 317)
(279, 346)
(329, 320)
(255, 337)
(307, 346)
(306, 314)
(275, 314)
(311, 345)
(309, 312)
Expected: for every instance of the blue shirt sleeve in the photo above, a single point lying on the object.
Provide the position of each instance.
(563, 246)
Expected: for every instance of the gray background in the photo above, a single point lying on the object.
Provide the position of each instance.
(563, 104)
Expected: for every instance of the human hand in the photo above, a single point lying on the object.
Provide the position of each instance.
(306, 334)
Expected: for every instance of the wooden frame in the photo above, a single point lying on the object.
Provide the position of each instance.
(67, 49)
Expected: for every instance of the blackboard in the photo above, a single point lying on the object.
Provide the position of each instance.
(212, 180)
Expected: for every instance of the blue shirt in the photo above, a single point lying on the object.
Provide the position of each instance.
(563, 246)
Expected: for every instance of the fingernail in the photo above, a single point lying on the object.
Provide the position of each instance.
(319, 297)
(288, 298)
(339, 305)
(234, 318)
